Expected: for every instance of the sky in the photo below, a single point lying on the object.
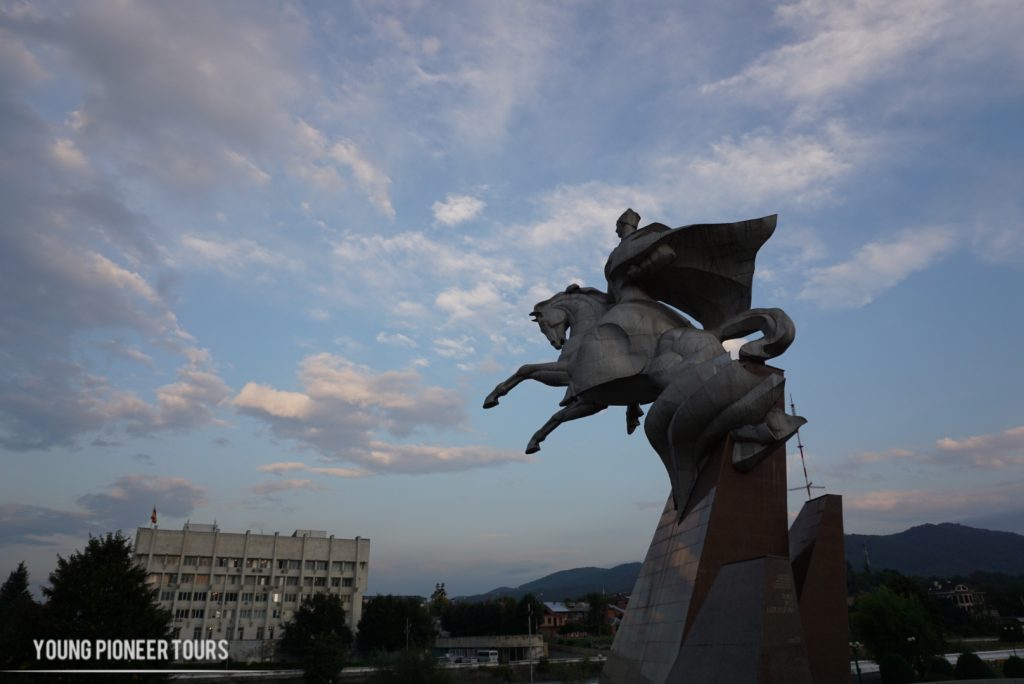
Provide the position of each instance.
(260, 262)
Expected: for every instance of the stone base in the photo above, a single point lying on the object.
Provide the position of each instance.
(819, 570)
(723, 595)
(748, 629)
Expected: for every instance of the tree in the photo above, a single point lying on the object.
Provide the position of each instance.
(19, 621)
(318, 637)
(970, 666)
(886, 622)
(895, 669)
(1013, 667)
(100, 593)
(390, 623)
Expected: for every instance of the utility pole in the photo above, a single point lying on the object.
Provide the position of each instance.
(529, 636)
(406, 634)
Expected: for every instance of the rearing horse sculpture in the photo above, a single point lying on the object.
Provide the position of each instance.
(635, 350)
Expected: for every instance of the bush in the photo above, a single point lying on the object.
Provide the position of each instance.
(895, 669)
(938, 669)
(970, 666)
(1013, 667)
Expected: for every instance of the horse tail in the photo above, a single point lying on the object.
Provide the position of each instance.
(777, 328)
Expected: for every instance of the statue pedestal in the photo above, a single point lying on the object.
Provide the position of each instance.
(716, 599)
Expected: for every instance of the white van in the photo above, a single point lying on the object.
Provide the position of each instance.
(484, 656)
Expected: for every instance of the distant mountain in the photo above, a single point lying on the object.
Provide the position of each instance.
(571, 584)
(941, 550)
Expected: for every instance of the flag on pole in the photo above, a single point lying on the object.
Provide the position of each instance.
(152, 518)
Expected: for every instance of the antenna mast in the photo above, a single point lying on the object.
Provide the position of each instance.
(808, 485)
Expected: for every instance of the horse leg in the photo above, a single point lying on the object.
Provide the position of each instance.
(553, 374)
(578, 409)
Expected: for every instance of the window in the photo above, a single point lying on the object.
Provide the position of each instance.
(247, 596)
(187, 579)
(279, 581)
(260, 614)
(292, 581)
(262, 581)
(205, 561)
(245, 613)
(197, 632)
(307, 581)
(229, 613)
(234, 579)
(199, 596)
(241, 633)
(216, 596)
(270, 633)
(336, 566)
(335, 581)
(264, 563)
(291, 598)
(320, 582)
(231, 597)
(153, 578)
(321, 565)
(275, 614)
(215, 614)
(184, 595)
(198, 612)
(191, 561)
(294, 564)
(249, 580)
(346, 582)
(348, 566)
(181, 613)
(362, 566)
(202, 579)
(171, 578)
(275, 597)
(259, 633)
(166, 595)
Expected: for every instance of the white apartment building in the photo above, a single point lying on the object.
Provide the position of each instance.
(243, 587)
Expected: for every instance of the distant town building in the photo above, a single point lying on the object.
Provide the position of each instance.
(558, 614)
(243, 587)
(965, 598)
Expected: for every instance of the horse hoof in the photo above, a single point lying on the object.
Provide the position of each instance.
(532, 448)
(490, 403)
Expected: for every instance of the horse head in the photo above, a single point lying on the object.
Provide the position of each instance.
(569, 312)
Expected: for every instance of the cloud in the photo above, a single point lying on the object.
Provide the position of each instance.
(281, 467)
(131, 498)
(343, 407)
(944, 504)
(268, 489)
(995, 451)
(126, 504)
(371, 179)
(454, 348)
(396, 340)
(876, 267)
(840, 48)
(456, 209)
(235, 256)
(766, 167)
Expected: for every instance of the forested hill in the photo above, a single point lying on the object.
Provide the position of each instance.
(571, 584)
(942, 550)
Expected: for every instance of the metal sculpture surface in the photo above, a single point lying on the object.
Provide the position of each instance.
(628, 347)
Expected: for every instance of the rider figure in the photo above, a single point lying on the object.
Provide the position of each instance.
(634, 259)
(628, 263)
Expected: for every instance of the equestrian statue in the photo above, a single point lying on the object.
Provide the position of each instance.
(631, 346)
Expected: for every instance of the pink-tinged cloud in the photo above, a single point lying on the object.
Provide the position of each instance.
(278, 486)
(281, 467)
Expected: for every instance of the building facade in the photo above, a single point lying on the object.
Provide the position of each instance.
(243, 587)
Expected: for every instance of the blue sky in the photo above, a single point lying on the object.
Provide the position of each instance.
(261, 262)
